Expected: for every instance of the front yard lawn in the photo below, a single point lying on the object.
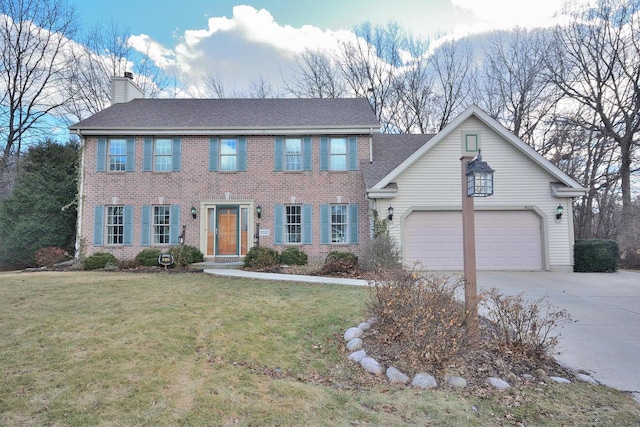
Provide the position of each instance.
(97, 348)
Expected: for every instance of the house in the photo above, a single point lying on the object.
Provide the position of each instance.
(226, 174)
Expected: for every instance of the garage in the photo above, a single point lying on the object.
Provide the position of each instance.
(505, 240)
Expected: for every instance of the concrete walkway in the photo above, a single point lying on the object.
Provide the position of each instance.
(605, 340)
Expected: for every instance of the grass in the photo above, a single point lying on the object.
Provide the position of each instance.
(100, 348)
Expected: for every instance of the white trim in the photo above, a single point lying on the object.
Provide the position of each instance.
(248, 131)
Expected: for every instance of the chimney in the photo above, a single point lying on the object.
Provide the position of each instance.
(123, 89)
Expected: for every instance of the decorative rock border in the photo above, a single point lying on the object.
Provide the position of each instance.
(353, 337)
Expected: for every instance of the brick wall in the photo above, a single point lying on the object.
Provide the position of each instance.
(195, 186)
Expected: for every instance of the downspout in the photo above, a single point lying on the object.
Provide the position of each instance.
(370, 145)
(78, 245)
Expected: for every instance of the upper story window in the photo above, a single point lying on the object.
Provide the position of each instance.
(162, 154)
(115, 154)
(338, 153)
(293, 154)
(227, 154)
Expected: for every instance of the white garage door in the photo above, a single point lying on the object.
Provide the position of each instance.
(505, 240)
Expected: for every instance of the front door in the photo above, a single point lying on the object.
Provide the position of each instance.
(227, 238)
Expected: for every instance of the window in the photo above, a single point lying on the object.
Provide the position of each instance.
(161, 224)
(117, 155)
(293, 154)
(339, 153)
(293, 224)
(115, 225)
(228, 155)
(339, 224)
(162, 155)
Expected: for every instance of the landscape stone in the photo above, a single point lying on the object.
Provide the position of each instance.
(497, 383)
(395, 376)
(354, 344)
(560, 380)
(352, 333)
(527, 376)
(371, 365)
(357, 356)
(457, 382)
(586, 379)
(364, 326)
(424, 381)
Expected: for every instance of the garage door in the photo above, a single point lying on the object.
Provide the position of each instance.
(505, 240)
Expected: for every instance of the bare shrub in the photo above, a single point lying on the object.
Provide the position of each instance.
(524, 326)
(418, 319)
(50, 255)
(381, 253)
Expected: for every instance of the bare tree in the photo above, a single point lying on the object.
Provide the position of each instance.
(596, 63)
(516, 91)
(453, 67)
(261, 88)
(315, 76)
(34, 42)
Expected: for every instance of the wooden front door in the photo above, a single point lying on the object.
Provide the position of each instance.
(227, 219)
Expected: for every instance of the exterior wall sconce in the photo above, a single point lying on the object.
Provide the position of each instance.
(390, 213)
(559, 211)
(479, 178)
(259, 211)
(194, 212)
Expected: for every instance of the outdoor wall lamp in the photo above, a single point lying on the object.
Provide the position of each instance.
(390, 213)
(479, 178)
(259, 211)
(559, 211)
(193, 211)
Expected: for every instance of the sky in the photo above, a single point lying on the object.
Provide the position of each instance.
(239, 41)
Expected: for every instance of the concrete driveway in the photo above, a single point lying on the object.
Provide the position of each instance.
(605, 340)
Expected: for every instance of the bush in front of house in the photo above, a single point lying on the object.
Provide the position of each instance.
(595, 256)
(50, 255)
(99, 260)
(261, 257)
(339, 262)
(148, 257)
(381, 253)
(293, 256)
(185, 255)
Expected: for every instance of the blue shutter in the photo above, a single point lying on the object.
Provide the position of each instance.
(130, 164)
(324, 154)
(101, 158)
(98, 226)
(147, 155)
(307, 153)
(145, 235)
(306, 224)
(127, 239)
(278, 228)
(242, 154)
(324, 225)
(353, 223)
(352, 153)
(213, 154)
(278, 158)
(176, 157)
(174, 225)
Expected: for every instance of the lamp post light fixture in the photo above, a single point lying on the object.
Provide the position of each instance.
(559, 211)
(477, 181)
(194, 212)
(390, 213)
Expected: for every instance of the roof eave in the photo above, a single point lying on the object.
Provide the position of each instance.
(244, 130)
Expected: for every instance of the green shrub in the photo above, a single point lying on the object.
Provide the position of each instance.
(339, 262)
(293, 256)
(261, 257)
(99, 260)
(148, 257)
(185, 255)
(594, 256)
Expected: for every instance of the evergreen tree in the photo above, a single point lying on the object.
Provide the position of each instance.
(41, 210)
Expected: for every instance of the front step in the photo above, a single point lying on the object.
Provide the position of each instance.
(219, 265)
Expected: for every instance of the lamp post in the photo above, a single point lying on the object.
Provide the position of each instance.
(477, 181)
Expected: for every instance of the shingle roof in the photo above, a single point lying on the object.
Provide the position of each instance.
(389, 150)
(146, 114)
